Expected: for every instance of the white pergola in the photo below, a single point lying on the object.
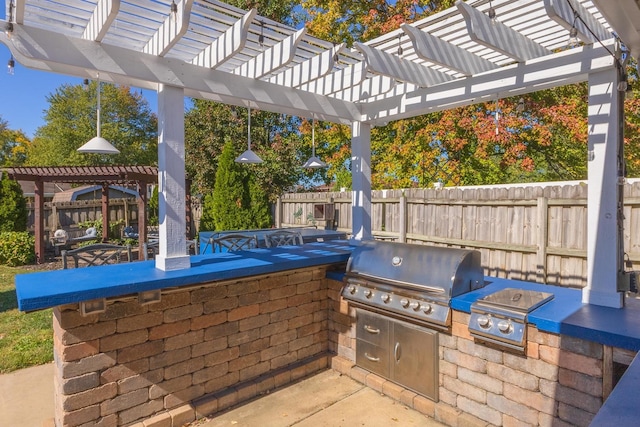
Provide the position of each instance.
(208, 49)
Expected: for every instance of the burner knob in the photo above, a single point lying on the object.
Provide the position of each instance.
(484, 322)
(415, 305)
(404, 302)
(505, 326)
(367, 293)
(427, 309)
(352, 289)
(385, 298)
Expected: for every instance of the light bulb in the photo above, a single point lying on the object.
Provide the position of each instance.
(573, 38)
(11, 65)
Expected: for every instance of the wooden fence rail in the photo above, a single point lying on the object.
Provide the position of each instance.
(534, 232)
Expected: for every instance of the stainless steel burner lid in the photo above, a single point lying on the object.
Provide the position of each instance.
(523, 300)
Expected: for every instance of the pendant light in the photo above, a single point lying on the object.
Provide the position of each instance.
(98, 144)
(248, 156)
(313, 161)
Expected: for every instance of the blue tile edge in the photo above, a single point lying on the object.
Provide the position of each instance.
(37, 291)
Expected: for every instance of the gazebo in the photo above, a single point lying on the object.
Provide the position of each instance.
(474, 52)
(141, 176)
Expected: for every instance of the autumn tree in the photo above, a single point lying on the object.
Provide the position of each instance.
(126, 121)
(13, 145)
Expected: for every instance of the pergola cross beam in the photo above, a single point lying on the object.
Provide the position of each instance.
(498, 36)
(172, 29)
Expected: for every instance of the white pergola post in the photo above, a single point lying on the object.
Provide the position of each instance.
(603, 240)
(171, 180)
(361, 181)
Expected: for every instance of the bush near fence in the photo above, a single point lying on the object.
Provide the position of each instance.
(533, 232)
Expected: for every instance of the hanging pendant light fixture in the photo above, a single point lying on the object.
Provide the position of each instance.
(314, 162)
(248, 156)
(98, 145)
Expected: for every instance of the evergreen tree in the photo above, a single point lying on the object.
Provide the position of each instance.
(260, 207)
(231, 197)
(13, 206)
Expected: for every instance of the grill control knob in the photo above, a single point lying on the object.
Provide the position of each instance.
(385, 298)
(505, 326)
(404, 302)
(484, 322)
(415, 305)
(351, 289)
(427, 309)
(367, 293)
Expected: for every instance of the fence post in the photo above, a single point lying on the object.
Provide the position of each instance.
(542, 208)
(278, 218)
(403, 217)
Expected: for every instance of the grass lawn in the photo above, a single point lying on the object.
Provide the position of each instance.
(26, 339)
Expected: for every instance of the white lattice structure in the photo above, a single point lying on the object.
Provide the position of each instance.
(208, 49)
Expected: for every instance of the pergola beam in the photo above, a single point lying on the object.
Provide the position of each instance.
(47, 50)
(101, 19)
(498, 36)
(393, 66)
(448, 55)
(562, 68)
(228, 44)
(171, 30)
(589, 28)
(273, 58)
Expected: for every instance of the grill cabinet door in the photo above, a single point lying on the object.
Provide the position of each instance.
(414, 358)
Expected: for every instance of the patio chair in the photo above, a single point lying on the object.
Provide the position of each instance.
(97, 254)
(283, 238)
(151, 248)
(233, 242)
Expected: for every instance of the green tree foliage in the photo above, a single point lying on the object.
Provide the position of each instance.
(274, 137)
(154, 207)
(13, 206)
(231, 196)
(126, 121)
(13, 145)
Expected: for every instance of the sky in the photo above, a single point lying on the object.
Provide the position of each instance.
(23, 95)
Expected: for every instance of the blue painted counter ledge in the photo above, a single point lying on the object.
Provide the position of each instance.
(42, 290)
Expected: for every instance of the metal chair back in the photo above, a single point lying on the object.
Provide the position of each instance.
(283, 238)
(234, 242)
(97, 254)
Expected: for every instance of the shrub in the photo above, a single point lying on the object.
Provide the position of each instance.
(13, 206)
(17, 248)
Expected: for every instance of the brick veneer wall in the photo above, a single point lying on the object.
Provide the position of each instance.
(559, 382)
(199, 350)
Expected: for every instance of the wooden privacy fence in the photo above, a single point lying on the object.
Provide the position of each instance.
(67, 215)
(535, 232)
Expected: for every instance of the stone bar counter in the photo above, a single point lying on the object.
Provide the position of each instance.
(136, 346)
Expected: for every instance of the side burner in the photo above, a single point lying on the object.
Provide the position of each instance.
(501, 317)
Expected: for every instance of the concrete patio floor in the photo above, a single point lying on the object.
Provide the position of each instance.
(325, 399)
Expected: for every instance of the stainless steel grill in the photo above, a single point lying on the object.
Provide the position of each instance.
(411, 282)
(501, 317)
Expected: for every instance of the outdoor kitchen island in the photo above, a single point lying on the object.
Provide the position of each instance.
(236, 325)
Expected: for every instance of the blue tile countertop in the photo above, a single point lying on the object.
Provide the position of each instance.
(42, 290)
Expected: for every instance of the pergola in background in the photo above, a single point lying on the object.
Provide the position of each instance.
(208, 49)
(96, 175)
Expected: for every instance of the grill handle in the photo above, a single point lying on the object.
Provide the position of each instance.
(371, 358)
(396, 352)
(371, 329)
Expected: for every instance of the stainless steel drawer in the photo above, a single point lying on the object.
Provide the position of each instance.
(373, 358)
(372, 328)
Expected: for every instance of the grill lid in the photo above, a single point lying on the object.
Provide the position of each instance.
(449, 271)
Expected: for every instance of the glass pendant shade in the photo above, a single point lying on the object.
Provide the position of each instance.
(314, 162)
(248, 156)
(97, 144)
